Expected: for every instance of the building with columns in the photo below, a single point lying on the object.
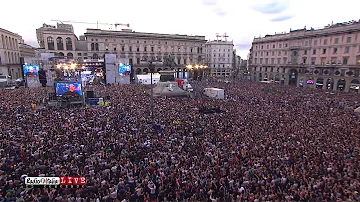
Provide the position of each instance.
(165, 50)
(220, 57)
(10, 54)
(59, 40)
(327, 58)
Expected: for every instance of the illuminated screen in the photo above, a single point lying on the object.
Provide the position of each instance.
(124, 69)
(62, 88)
(31, 69)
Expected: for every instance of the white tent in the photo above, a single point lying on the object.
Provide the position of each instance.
(357, 110)
(145, 79)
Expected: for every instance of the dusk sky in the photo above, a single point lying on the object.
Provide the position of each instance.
(240, 19)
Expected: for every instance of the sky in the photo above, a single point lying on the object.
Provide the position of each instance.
(242, 20)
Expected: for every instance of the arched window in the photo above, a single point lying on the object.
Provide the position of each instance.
(92, 46)
(60, 43)
(96, 47)
(5, 57)
(9, 57)
(50, 42)
(69, 55)
(95, 56)
(3, 41)
(16, 44)
(6, 42)
(10, 43)
(69, 45)
(13, 44)
(12, 58)
(61, 54)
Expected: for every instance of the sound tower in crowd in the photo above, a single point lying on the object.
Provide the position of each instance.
(42, 77)
(132, 76)
(104, 70)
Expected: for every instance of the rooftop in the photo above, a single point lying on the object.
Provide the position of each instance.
(131, 32)
(328, 27)
(220, 42)
(26, 46)
(8, 32)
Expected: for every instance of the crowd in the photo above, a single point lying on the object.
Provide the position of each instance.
(271, 143)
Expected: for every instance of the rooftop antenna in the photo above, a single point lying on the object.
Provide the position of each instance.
(225, 36)
(217, 36)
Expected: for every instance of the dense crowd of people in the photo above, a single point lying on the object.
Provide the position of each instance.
(271, 143)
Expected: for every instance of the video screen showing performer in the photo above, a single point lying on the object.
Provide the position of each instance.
(74, 87)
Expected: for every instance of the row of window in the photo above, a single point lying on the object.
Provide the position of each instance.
(9, 43)
(221, 65)
(152, 42)
(306, 43)
(68, 55)
(178, 61)
(95, 47)
(220, 55)
(220, 70)
(283, 70)
(214, 50)
(335, 50)
(59, 43)
(323, 61)
(10, 58)
(221, 59)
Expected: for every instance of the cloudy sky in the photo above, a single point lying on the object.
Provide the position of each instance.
(240, 19)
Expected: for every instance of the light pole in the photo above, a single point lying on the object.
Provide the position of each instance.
(152, 68)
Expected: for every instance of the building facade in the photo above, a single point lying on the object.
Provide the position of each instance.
(26, 51)
(60, 42)
(67, 27)
(165, 50)
(10, 54)
(40, 34)
(326, 58)
(220, 57)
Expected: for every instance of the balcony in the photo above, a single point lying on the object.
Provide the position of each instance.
(295, 47)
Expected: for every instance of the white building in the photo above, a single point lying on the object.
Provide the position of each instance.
(139, 47)
(219, 56)
(42, 39)
(10, 55)
(166, 50)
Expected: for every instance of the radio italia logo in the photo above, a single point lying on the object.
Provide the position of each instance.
(56, 182)
(42, 180)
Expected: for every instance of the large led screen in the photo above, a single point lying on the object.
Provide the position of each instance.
(31, 69)
(124, 69)
(74, 87)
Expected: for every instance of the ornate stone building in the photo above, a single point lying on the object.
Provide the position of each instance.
(165, 50)
(60, 41)
(326, 58)
(10, 54)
